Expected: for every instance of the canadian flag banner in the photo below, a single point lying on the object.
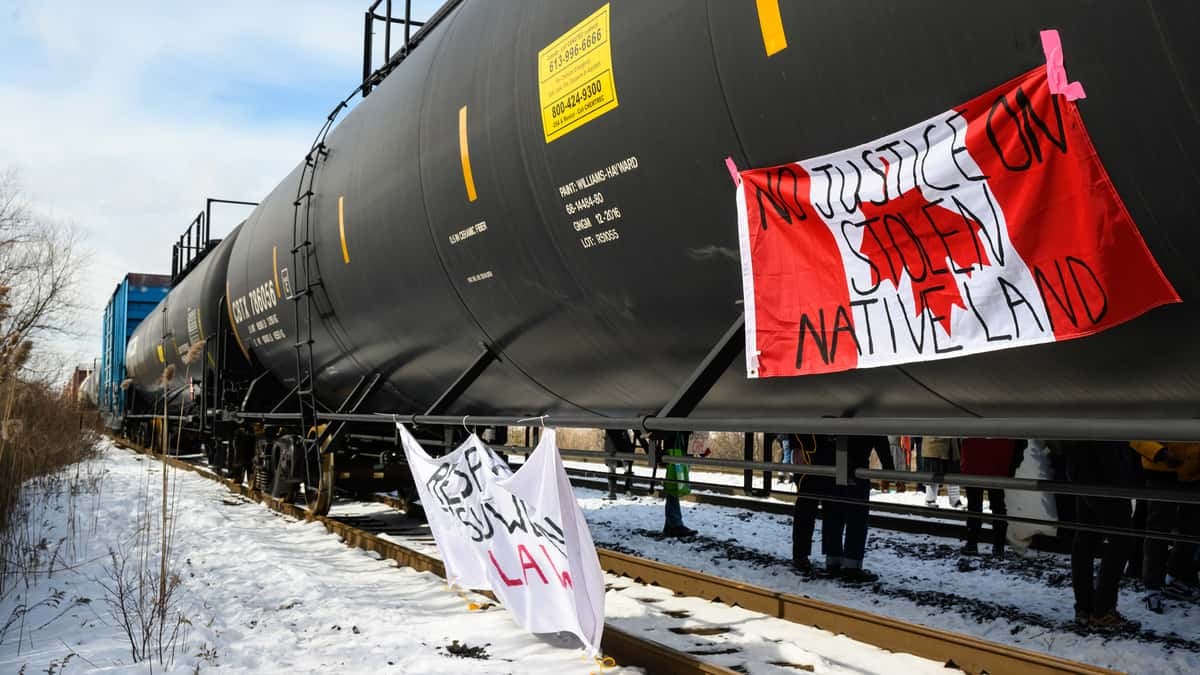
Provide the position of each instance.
(988, 226)
(521, 534)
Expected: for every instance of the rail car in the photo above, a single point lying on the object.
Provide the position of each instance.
(530, 214)
(134, 298)
(87, 394)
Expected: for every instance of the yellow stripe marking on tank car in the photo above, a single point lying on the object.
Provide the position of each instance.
(464, 153)
(207, 351)
(161, 356)
(342, 223)
(771, 24)
(233, 324)
(275, 267)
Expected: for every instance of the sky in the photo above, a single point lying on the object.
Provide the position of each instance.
(121, 117)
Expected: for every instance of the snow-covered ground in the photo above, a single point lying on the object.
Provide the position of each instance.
(262, 593)
(1027, 602)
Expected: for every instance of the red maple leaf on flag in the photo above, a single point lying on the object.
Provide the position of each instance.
(930, 242)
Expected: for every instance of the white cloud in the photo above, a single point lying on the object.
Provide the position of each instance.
(120, 119)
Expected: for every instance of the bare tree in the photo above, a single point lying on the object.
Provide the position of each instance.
(39, 267)
(39, 264)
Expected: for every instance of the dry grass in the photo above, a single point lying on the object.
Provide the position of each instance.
(45, 464)
(42, 442)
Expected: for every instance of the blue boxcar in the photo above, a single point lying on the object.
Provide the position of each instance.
(132, 301)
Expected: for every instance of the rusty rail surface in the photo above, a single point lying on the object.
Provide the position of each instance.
(972, 655)
(625, 648)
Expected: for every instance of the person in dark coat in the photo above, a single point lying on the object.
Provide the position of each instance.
(986, 457)
(809, 449)
(1100, 463)
(844, 524)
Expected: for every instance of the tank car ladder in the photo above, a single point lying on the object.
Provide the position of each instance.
(306, 282)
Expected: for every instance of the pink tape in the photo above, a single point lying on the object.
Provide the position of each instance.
(733, 171)
(1056, 73)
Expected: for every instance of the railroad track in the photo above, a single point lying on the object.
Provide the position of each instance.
(728, 496)
(972, 655)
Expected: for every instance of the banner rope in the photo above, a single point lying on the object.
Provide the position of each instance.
(603, 663)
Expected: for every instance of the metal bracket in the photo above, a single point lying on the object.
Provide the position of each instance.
(351, 405)
(464, 381)
(283, 401)
(842, 460)
(748, 455)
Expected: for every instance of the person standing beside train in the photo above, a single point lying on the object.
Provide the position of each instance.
(899, 461)
(986, 457)
(676, 485)
(1099, 463)
(785, 452)
(1169, 466)
(809, 449)
(844, 508)
(940, 455)
(844, 529)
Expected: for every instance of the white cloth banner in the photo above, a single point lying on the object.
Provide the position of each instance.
(520, 535)
(1035, 464)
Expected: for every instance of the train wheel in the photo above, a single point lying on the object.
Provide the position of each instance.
(288, 465)
(282, 485)
(320, 497)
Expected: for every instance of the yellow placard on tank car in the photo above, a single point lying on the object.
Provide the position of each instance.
(575, 76)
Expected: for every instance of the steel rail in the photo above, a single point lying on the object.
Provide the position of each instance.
(926, 523)
(971, 654)
(1177, 495)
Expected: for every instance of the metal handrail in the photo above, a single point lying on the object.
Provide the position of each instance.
(1047, 428)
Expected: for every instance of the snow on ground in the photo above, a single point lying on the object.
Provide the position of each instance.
(263, 593)
(1024, 602)
(753, 642)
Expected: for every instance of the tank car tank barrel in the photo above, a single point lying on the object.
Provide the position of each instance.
(595, 247)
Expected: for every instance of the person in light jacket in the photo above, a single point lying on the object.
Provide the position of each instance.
(940, 456)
